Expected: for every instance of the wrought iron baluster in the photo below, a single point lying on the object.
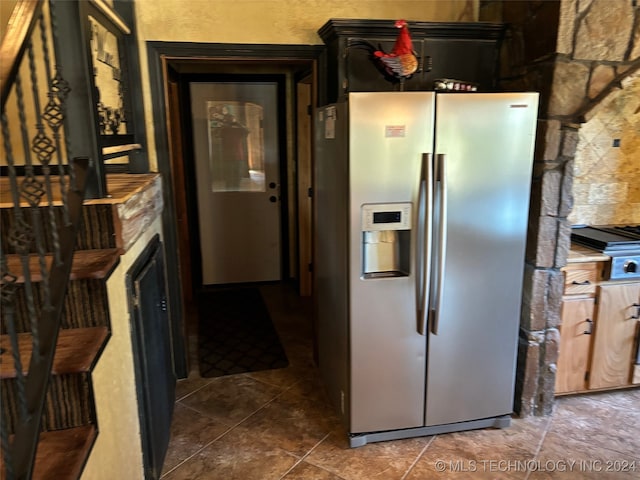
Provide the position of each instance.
(54, 114)
(6, 451)
(23, 232)
(51, 115)
(42, 147)
(60, 89)
(7, 299)
(9, 287)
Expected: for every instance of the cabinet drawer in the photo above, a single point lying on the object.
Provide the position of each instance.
(581, 278)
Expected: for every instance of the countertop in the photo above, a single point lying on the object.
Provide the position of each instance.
(581, 254)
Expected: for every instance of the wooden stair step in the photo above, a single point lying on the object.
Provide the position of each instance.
(62, 454)
(76, 351)
(87, 264)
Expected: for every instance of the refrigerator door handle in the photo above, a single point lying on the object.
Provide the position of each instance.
(425, 197)
(441, 181)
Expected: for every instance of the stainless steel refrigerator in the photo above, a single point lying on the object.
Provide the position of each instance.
(421, 207)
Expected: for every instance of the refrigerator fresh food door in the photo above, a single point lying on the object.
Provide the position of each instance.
(389, 134)
(485, 143)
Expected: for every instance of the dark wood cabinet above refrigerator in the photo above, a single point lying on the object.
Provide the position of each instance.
(463, 51)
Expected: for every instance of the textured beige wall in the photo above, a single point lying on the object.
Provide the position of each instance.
(279, 21)
(117, 453)
(269, 22)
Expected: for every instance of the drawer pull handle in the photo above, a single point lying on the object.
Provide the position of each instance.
(590, 330)
(637, 305)
(586, 282)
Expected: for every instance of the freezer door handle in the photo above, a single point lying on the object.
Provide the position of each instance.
(425, 200)
(441, 188)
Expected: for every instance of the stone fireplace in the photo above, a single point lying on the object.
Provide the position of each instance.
(584, 58)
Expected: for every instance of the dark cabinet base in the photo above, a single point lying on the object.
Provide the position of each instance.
(155, 378)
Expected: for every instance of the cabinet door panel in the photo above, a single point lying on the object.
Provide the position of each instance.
(155, 379)
(461, 60)
(575, 344)
(614, 335)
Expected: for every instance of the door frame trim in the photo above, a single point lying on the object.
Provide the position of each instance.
(159, 56)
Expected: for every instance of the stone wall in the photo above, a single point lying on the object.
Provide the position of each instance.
(606, 184)
(576, 53)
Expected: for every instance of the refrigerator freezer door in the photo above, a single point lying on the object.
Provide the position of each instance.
(487, 142)
(389, 133)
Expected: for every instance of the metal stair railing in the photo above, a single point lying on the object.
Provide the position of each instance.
(38, 181)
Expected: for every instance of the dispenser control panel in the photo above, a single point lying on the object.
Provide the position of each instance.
(386, 216)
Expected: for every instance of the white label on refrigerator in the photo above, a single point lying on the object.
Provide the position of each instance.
(394, 131)
(330, 123)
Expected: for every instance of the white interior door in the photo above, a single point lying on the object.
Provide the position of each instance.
(235, 138)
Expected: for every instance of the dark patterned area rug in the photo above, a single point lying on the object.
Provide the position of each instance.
(236, 334)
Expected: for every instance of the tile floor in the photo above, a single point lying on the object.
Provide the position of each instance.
(278, 424)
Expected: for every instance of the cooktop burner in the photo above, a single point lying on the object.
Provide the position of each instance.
(630, 230)
(608, 238)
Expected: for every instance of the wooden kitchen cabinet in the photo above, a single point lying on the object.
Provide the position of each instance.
(598, 330)
(575, 344)
(614, 336)
(577, 325)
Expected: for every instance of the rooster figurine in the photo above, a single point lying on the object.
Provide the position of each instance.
(399, 64)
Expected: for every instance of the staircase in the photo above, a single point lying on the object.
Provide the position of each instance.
(67, 424)
(57, 253)
(109, 227)
(50, 342)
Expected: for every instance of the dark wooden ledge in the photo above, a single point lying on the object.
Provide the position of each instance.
(87, 264)
(76, 351)
(62, 454)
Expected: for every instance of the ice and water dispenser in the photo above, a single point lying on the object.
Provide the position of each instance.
(386, 240)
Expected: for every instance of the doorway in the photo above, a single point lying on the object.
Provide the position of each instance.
(238, 134)
(172, 67)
